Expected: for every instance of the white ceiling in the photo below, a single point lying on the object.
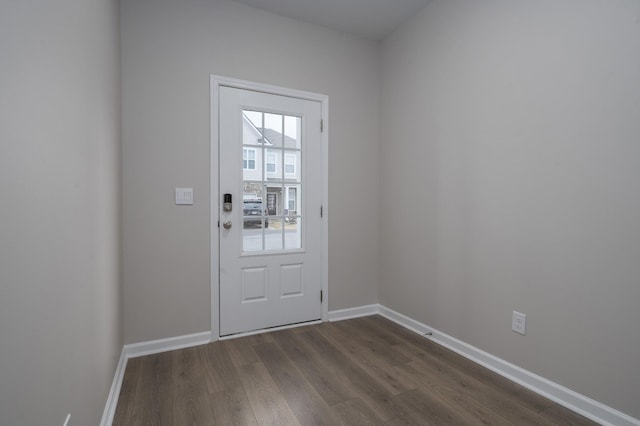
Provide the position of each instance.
(372, 19)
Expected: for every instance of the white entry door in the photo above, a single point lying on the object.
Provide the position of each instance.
(270, 164)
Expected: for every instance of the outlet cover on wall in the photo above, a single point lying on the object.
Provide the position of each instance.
(519, 322)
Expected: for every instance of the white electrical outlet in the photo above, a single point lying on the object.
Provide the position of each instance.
(519, 322)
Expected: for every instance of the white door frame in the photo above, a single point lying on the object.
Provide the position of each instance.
(214, 148)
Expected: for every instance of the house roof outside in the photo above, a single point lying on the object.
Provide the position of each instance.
(272, 137)
(275, 138)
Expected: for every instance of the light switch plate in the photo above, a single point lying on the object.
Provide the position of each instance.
(184, 196)
(519, 322)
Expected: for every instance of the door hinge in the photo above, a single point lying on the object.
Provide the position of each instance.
(321, 212)
(321, 296)
(321, 125)
(218, 224)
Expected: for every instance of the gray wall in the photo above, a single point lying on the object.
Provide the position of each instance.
(60, 278)
(510, 141)
(169, 50)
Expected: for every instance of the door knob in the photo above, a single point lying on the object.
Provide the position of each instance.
(227, 224)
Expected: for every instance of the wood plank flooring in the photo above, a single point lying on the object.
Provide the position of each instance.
(365, 371)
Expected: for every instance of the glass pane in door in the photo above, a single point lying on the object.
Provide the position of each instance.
(272, 181)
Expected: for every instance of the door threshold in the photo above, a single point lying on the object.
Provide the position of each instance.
(269, 329)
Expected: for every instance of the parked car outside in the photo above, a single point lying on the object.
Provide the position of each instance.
(252, 212)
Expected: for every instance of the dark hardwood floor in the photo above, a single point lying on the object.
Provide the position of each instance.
(365, 371)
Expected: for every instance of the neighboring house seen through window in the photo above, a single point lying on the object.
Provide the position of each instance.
(292, 199)
(290, 164)
(248, 159)
(271, 162)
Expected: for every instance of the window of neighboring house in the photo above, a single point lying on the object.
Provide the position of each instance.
(271, 162)
(290, 164)
(292, 199)
(248, 159)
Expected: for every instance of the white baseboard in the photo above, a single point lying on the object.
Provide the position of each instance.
(359, 311)
(574, 401)
(114, 392)
(169, 344)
